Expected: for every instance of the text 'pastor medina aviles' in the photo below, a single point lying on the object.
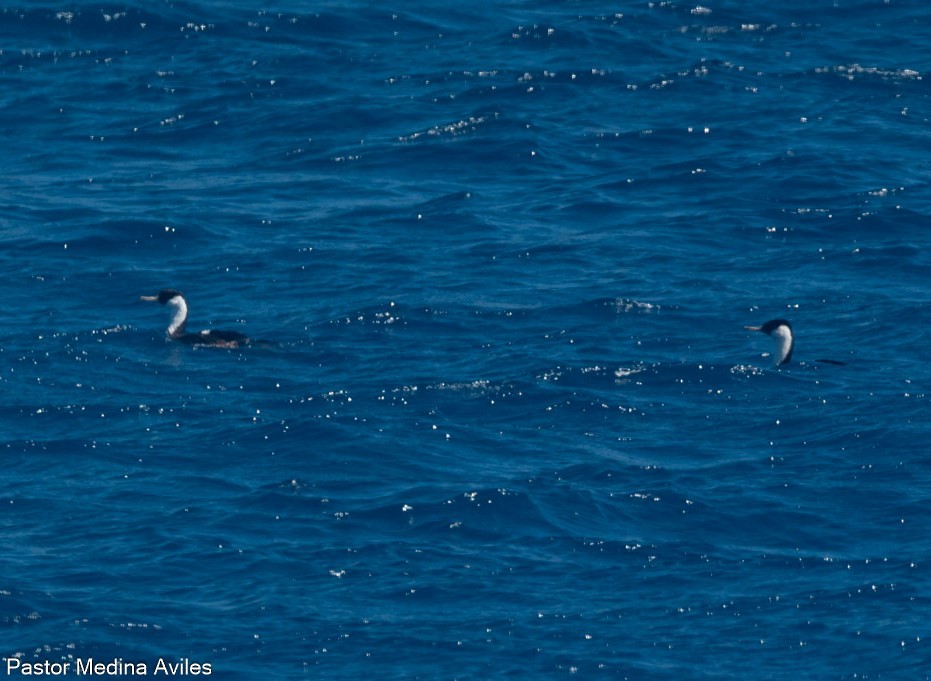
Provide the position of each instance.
(116, 667)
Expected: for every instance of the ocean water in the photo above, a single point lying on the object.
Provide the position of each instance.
(506, 422)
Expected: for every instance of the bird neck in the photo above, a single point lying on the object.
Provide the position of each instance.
(782, 336)
(179, 316)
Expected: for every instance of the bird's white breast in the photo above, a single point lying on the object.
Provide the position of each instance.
(179, 316)
(782, 337)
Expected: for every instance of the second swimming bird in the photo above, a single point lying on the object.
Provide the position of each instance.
(783, 341)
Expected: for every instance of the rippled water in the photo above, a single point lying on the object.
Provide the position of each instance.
(506, 421)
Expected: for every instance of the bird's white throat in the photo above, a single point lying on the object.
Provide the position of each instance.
(782, 338)
(179, 316)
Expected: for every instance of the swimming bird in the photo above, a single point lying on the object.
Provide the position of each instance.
(212, 337)
(783, 341)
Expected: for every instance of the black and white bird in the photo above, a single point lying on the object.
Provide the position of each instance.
(783, 341)
(211, 337)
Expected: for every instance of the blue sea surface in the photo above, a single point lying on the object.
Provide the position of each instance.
(505, 420)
